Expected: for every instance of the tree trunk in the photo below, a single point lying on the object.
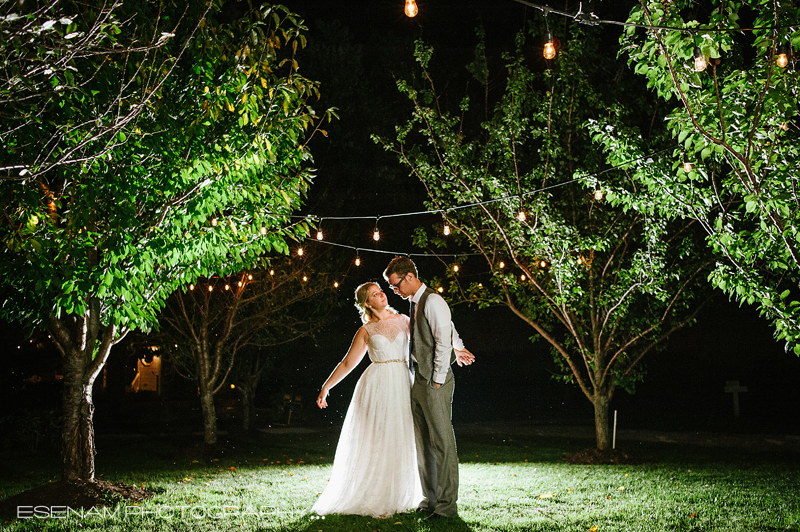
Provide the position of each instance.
(77, 430)
(209, 416)
(602, 403)
(84, 346)
(247, 394)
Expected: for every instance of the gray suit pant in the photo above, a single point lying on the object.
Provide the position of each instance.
(436, 443)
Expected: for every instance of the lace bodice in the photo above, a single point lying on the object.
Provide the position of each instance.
(388, 339)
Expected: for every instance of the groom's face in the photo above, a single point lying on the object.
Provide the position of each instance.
(400, 285)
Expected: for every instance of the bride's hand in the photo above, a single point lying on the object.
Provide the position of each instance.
(323, 394)
(464, 357)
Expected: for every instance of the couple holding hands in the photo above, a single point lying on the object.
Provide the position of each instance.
(395, 454)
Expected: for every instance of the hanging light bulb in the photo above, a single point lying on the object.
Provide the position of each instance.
(440, 289)
(580, 260)
(239, 283)
(446, 229)
(336, 284)
(781, 56)
(320, 236)
(502, 264)
(455, 267)
(214, 221)
(784, 126)
(376, 235)
(210, 288)
(300, 252)
(543, 264)
(191, 287)
(411, 9)
(700, 62)
(263, 229)
(549, 51)
(687, 165)
(522, 277)
(227, 287)
(599, 195)
(272, 272)
(249, 277)
(358, 260)
(521, 216)
(305, 278)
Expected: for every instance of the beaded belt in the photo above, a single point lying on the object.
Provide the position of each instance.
(387, 361)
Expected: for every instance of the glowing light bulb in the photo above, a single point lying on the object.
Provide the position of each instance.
(272, 272)
(240, 283)
(305, 278)
(263, 229)
(411, 9)
(522, 277)
(455, 268)
(358, 261)
(687, 166)
(580, 260)
(784, 126)
(227, 287)
(543, 264)
(440, 290)
(376, 235)
(300, 252)
(210, 288)
(320, 236)
(700, 62)
(336, 284)
(599, 195)
(502, 264)
(249, 277)
(781, 57)
(549, 51)
(521, 216)
(214, 222)
(191, 287)
(233, 386)
(446, 229)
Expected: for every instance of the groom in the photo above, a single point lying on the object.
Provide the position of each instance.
(432, 394)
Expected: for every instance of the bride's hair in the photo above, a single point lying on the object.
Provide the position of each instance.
(362, 296)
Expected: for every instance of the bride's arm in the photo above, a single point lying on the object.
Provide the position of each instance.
(354, 355)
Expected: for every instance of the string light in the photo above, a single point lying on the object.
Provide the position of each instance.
(272, 272)
(191, 287)
(376, 235)
(240, 283)
(599, 194)
(521, 216)
(227, 287)
(687, 165)
(305, 278)
(210, 288)
(543, 264)
(781, 56)
(446, 229)
(214, 222)
(502, 264)
(411, 9)
(249, 277)
(784, 126)
(336, 284)
(263, 229)
(320, 236)
(549, 51)
(700, 62)
(440, 289)
(358, 260)
(522, 277)
(300, 252)
(455, 268)
(580, 260)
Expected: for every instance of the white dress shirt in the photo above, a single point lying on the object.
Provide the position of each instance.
(437, 312)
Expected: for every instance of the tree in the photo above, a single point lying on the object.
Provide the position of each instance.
(225, 324)
(736, 127)
(200, 180)
(603, 286)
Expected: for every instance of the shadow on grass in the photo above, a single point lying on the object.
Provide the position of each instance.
(398, 522)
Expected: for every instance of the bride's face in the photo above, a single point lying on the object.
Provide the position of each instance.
(376, 299)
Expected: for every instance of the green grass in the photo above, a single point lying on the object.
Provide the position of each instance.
(270, 483)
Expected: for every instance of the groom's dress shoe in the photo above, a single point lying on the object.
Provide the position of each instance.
(421, 510)
(435, 517)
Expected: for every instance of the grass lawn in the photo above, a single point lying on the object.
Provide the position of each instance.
(270, 482)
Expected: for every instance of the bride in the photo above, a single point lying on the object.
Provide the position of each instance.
(375, 468)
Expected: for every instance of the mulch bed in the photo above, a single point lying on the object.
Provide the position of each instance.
(75, 494)
(609, 457)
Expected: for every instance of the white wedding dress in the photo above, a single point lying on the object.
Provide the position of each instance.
(375, 468)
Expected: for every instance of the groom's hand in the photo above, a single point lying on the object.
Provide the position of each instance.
(464, 357)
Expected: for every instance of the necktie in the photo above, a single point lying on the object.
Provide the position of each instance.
(411, 334)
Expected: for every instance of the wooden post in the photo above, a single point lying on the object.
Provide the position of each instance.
(733, 387)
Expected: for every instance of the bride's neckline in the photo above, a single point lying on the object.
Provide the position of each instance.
(394, 317)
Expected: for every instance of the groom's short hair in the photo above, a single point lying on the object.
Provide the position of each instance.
(400, 266)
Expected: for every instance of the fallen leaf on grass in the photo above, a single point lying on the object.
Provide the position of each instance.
(233, 468)
(593, 529)
(621, 488)
(398, 523)
(545, 495)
